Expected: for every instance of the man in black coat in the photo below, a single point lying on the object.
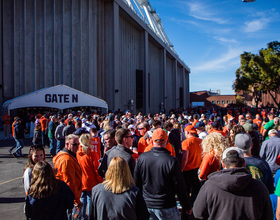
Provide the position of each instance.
(159, 177)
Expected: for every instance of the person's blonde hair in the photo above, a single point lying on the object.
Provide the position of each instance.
(43, 182)
(118, 178)
(208, 127)
(106, 125)
(84, 142)
(214, 143)
(177, 126)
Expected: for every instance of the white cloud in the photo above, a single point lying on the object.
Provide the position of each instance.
(223, 62)
(256, 25)
(202, 12)
(225, 40)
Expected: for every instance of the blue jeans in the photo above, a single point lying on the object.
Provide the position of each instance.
(20, 145)
(13, 147)
(165, 214)
(52, 146)
(45, 139)
(86, 199)
(59, 145)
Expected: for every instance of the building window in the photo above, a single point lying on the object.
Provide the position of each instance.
(218, 102)
(227, 101)
(232, 101)
(223, 102)
(213, 102)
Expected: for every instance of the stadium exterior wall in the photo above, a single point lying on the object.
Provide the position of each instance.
(96, 46)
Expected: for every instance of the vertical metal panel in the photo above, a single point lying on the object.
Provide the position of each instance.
(8, 51)
(18, 46)
(39, 45)
(146, 72)
(116, 57)
(76, 43)
(130, 58)
(58, 42)
(101, 49)
(84, 58)
(170, 83)
(67, 42)
(48, 42)
(109, 50)
(27, 75)
(156, 68)
(92, 54)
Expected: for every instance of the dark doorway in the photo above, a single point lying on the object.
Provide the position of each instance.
(181, 96)
(139, 90)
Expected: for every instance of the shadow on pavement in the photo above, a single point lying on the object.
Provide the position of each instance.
(12, 200)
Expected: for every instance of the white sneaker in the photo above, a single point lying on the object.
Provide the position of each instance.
(10, 151)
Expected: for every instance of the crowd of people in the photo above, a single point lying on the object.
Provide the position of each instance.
(208, 165)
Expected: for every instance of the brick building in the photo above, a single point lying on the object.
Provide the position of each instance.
(209, 98)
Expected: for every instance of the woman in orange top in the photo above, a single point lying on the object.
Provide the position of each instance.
(213, 146)
(88, 161)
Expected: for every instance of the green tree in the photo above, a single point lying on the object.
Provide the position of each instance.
(260, 72)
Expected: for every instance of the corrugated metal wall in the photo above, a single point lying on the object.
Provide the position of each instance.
(171, 83)
(94, 46)
(48, 43)
(156, 76)
(132, 55)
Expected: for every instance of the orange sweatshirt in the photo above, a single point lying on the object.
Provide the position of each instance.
(69, 171)
(89, 165)
(168, 147)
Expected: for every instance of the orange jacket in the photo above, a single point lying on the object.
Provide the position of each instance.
(219, 131)
(89, 165)
(142, 144)
(258, 122)
(69, 171)
(13, 128)
(168, 147)
(195, 122)
(208, 165)
(44, 123)
(193, 146)
(96, 146)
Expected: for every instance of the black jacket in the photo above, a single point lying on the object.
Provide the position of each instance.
(175, 140)
(159, 176)
(233, 194)
(116, 151)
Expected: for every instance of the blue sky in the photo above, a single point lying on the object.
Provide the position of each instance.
(210, 35)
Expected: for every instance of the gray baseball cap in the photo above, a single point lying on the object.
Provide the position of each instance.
(243, 141)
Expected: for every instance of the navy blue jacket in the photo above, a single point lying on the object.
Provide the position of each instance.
(19, 131)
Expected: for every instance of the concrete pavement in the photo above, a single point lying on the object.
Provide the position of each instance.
(12, 194)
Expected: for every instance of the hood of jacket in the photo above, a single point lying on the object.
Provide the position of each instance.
(231, 180)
